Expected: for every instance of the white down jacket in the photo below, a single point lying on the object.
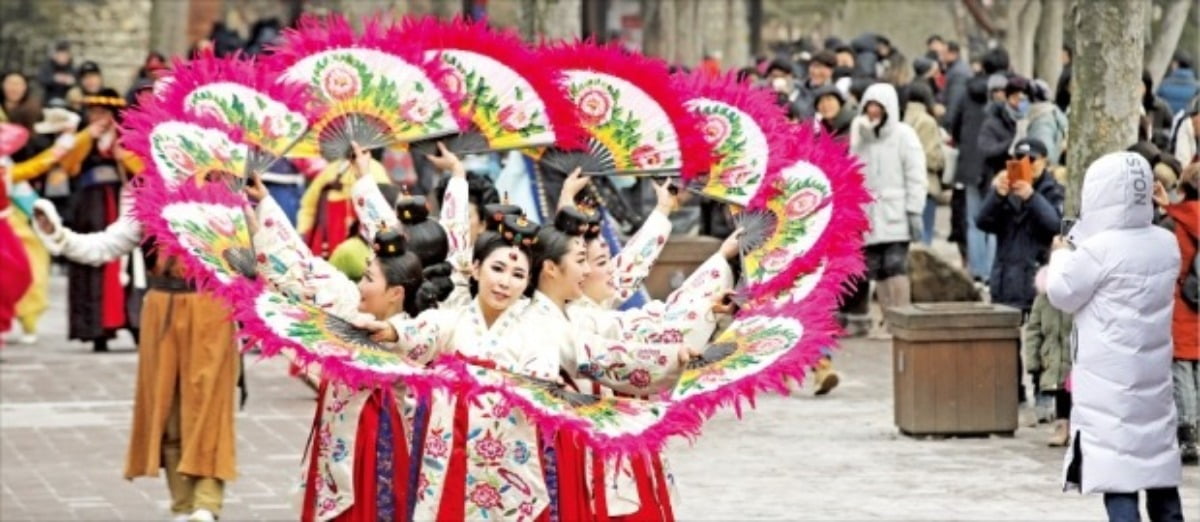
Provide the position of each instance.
(1119, 281)
(893, 166)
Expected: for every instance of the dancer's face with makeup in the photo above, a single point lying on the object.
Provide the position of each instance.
(598, 285)
(503, 276)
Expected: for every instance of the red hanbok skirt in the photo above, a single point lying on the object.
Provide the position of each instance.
(381, 463)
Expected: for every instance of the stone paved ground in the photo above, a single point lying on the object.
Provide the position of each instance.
(64, 421)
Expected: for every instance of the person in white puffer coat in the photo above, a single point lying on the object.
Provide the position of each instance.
(894, 171)
(1116, 272)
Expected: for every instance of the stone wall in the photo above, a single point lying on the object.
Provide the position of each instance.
(113, 33)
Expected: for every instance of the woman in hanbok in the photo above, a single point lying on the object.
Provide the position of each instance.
(357, 467)
(637, 488)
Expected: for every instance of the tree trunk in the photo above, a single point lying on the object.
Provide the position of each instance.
(1106, 73)
(1050, 40)
(1167, 37)
(1012, 31)
(1027, 31)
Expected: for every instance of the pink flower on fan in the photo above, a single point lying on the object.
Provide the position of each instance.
(716, 129)
(340, 81)
(776, 260)
(490, 448)
(221, 224)
(646, 157)
(416, 110)
(501, 410)
(221, 152)
(736, 176)
(767, 345)
(514, 118)
(182, 160)
(595, 106)
(453, 82)
(802, 203)
(273, 127)
(486, 496)
(211, 109)
(526, 509)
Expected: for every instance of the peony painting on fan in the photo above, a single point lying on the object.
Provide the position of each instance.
(416, 82)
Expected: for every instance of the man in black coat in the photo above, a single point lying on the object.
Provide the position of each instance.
(1000, 126)
(1025, 217)
(964, 119)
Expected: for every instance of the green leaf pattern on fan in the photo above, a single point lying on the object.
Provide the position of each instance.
(499, 102)
(183, 151)
(618, 115)
(797, 205)
(208, 231)
(264, 122)
(760, 341)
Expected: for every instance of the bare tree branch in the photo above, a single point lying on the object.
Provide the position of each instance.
(1166, 38)
(981, 16)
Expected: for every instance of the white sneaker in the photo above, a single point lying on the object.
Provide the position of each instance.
(202, 515)
(28, 339)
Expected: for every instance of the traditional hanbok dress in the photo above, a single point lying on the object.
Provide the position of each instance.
(326, 212)
(640, 487)
(358, 464)
(17, 276)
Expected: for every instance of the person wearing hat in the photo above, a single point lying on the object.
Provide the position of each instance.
(1000, 126)
(1047, 123)
(1025, 215)
(799, 98)
(90, 82)
(99, 166)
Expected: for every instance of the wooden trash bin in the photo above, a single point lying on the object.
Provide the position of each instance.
(954, 368)
(680, 257)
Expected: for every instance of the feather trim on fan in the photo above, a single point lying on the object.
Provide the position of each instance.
(628, 108)
(179, 150)
(822, 199)
(271, 116)
(206, 229)
(375, 91)
(746, 128)
(512, 99)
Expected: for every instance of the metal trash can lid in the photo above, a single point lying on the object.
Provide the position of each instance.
(923, 316)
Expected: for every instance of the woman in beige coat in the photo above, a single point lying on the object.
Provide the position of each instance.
(918, 114)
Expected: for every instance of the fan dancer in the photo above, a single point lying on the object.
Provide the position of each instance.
(356, 466)
(473, 448)
(96, 297)
(183, 402)
(638, 488)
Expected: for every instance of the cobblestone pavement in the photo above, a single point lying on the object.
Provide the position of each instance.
(65, 413)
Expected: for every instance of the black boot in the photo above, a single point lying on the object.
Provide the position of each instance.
(1187, 445)
(100, 345)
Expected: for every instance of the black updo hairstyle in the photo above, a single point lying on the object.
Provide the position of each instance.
(581, 220)
(399, 266)
(494, 214)
(553, 243)
(513, 231)
(480, 192)
(428, 241)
